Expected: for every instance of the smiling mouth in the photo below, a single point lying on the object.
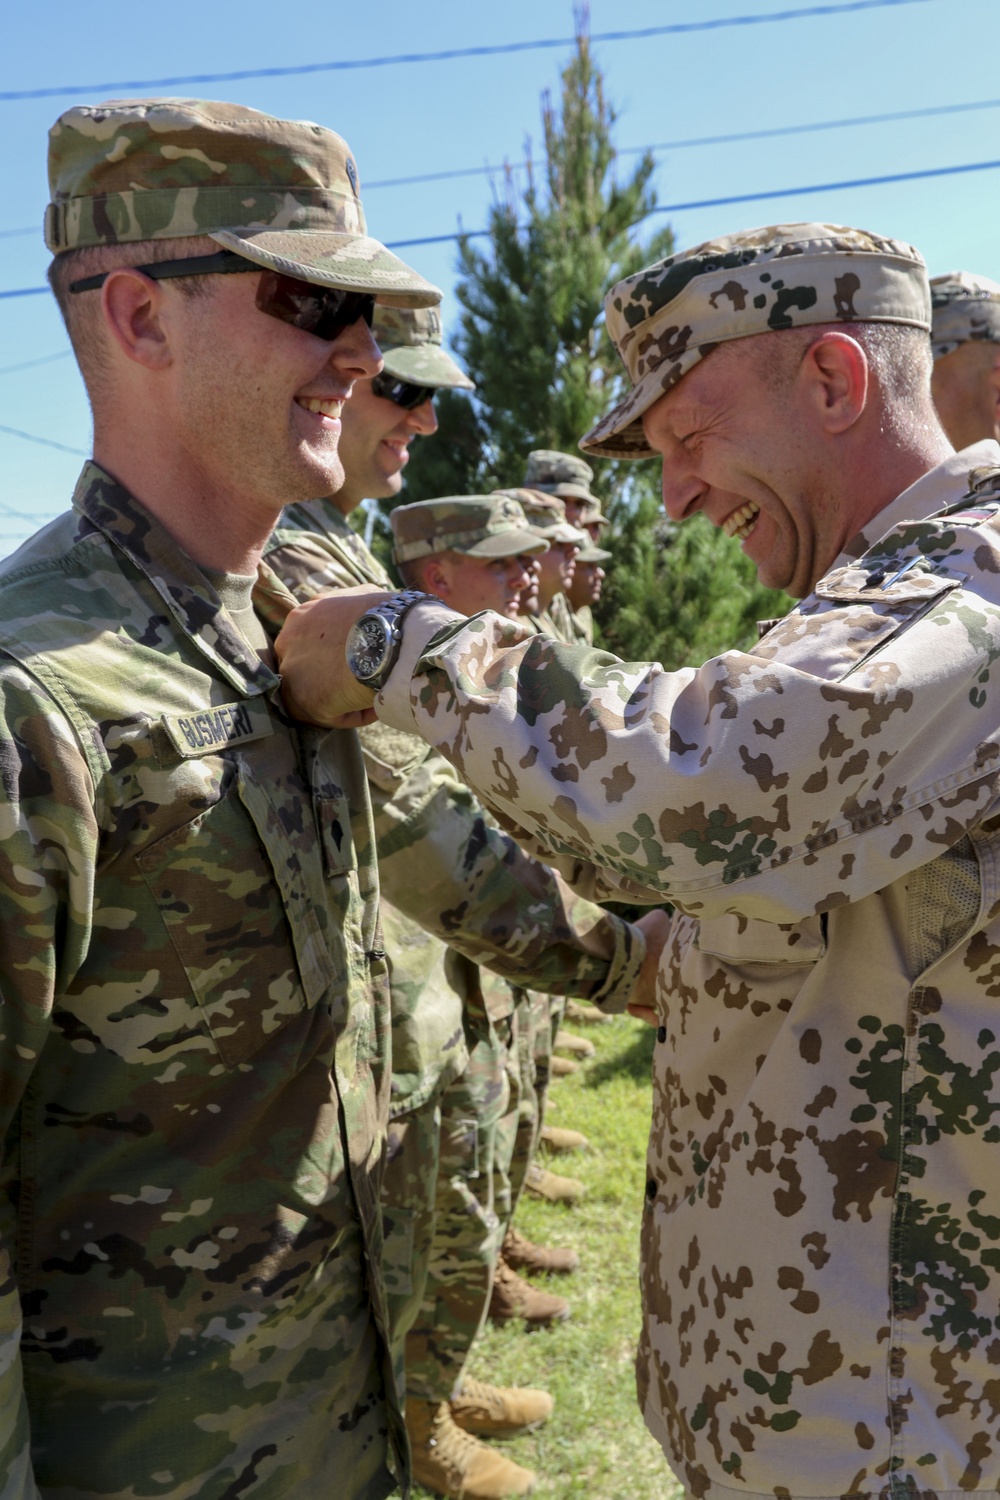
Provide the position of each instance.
(741, 522)
(331, 408)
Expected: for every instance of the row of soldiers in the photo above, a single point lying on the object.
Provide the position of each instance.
(473, 1055)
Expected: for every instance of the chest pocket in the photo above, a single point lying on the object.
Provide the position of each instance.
(232, 892)
(747, 940)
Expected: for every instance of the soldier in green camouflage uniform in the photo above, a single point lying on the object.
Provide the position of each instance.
(965, 338)
(448, 877)
(195, 1009)
(821, 1240)
(547, 518)
(569, 477)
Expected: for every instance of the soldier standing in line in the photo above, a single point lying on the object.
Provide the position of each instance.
(585, 590)
(820, 1243)
(456, 892)
(195, 1011)
(965, 338)
(546, 609)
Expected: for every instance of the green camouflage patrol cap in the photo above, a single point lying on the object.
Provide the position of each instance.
(591, 513)
(563, 474)
(410, 341)
(281, 193)
(663, 320)
(592, 554)
(546, 516)
(965, 309)
(475, 525)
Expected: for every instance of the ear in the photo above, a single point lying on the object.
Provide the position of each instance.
(835, 372)
(437, 578)
(133, 308)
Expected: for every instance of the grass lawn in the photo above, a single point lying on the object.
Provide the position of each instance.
(596, 1444)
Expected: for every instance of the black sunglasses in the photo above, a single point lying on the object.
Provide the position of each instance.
(323, 310)
(402, 393)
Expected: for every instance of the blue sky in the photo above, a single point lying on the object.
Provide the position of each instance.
(409, 119)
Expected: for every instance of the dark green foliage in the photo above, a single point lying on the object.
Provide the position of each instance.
(532, 337)
(679, 594)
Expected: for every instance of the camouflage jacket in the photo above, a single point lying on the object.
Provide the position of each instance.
(448, 875)
(821, 1242)
(195, 1026)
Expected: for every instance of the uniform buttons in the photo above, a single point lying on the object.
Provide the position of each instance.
(651, 1189)
(661, 1033)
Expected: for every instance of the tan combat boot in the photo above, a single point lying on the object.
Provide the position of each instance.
(558, 1139)
(450, 1462)
(497, 1411)
(520, 1253)
(513, 1297)
(561, 1067)
(586, 1015)
(576, 1046)
(552, 1187)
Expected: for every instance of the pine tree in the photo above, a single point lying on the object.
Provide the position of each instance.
(531, 336)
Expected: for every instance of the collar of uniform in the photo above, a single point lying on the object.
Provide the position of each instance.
(176, 577)
(317, 515)
(933, 491)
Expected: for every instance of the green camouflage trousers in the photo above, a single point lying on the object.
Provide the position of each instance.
(442, 1231)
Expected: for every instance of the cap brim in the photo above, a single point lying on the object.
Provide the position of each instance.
(425, 364)
(508, 544)
(593, 555)
(620, 434)
(350, 262)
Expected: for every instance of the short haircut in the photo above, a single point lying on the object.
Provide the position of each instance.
(81, 311)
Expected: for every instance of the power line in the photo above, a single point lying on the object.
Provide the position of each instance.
(28, 364)
(710, 140)
(701, 140)
(667, 208)
(343, 65)
(31, 437)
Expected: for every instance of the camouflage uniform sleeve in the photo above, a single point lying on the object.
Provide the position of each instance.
(856, 742)
(48, 852)
(446, 867)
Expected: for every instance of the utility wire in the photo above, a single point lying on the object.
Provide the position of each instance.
(28, 364)
(701, 140)
(343, 65)
(48, 443)
(668, 208)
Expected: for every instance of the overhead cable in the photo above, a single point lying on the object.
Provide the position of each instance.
(678, 28)
(673, 208)
(32, 437)
(28, 364)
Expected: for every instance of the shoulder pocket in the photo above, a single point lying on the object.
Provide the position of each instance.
(390, 755)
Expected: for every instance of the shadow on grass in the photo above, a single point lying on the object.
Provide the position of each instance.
(635, 1061)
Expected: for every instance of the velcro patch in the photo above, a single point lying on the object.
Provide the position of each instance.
(213, 729)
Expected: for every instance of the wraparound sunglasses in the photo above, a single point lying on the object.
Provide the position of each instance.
(322, 310)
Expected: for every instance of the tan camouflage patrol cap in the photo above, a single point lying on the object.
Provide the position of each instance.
(410, 341)
(546, 516)
(663, 320)
(475, 525)
(965, 309)
(563, 474)
(282, 193)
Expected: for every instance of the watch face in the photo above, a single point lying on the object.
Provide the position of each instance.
(367, 645)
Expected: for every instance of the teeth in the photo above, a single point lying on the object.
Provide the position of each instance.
(740, 523)
(322, 408)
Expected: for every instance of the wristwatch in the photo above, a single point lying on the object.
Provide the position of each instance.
(374, 640)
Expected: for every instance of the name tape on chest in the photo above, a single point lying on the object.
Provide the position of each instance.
(214, 729)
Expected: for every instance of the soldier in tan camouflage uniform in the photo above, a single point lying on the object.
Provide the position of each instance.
(195, 1012)
(821, 1244)
(965, 337)
(449, 878)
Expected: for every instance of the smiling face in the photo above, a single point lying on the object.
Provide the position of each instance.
(748, 452)
(257, 404)
(375, 445)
